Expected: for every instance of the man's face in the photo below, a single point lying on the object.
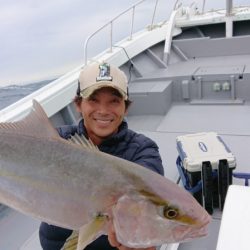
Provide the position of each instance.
(103, 112)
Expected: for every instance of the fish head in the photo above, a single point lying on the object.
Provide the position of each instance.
(140, 222)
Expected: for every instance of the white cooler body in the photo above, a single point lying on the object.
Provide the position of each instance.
(206, 159)
(201, 147)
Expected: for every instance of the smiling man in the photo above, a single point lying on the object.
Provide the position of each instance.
(102, 100)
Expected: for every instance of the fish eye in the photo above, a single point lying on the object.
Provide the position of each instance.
(170, 212)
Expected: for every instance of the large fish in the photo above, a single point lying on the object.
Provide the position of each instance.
(75, 186)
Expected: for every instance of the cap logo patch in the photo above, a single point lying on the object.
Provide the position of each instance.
(104, 73)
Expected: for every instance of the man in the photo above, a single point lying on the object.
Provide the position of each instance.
(102, 100)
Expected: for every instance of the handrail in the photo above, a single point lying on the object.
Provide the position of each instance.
(111, 27)
(203, 6)
(177, 5)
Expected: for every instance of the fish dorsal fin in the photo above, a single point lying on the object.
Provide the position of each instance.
(82, 141)
(36, 123)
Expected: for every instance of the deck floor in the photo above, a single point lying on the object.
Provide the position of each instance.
(15, 228)
(231, 122)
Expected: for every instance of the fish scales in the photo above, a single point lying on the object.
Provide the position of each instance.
(63, 176)
(69, 185)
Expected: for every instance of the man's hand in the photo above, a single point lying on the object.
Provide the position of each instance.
(114, 243)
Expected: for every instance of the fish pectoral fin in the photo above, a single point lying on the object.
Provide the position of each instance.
(71, 242)
(91, 231)
(88, 233)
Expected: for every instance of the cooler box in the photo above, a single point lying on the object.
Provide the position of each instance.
(206, 161)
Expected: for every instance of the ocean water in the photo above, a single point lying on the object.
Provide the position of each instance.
(12, 93)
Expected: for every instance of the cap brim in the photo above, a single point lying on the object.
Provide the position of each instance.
(86, 93)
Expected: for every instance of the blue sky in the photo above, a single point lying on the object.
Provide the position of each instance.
(44, 39)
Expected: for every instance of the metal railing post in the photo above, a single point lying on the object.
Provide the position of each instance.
(203, 6)
(111, 36)
(153, 18)
(111, 30)
(132, 23)
(229, 6)
(175, 5)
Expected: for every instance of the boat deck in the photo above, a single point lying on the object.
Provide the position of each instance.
(15, 229)
(231, 122)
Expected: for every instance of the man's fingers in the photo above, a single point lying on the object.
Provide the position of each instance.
(112, 237)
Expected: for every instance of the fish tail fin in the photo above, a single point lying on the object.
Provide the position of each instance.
(89, 232)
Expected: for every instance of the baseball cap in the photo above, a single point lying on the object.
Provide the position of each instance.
(99, 75)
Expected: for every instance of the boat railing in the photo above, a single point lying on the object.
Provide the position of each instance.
(131, 9)
(111, 22)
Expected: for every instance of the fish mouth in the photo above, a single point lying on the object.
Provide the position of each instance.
(185, 232)
(199, 223)
(204, 221)
(201, 227)
(201, 230)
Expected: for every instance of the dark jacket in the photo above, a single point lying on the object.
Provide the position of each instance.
(125, 144)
